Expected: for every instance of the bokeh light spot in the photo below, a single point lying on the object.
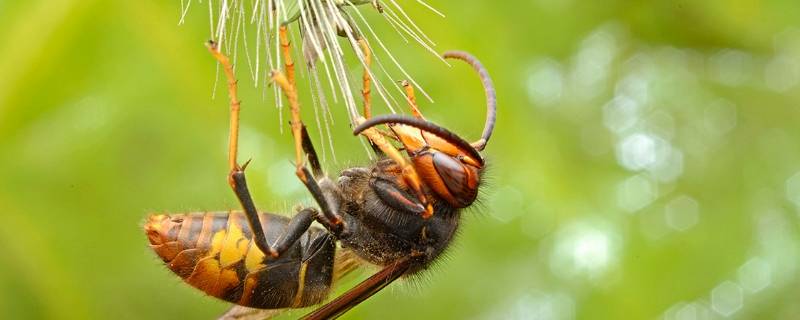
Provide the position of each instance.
(636, 193)
(782, 73)
(593, 60)
(282, 180)
(688, 311)
(661, 123)
(755, 275)
(620, 114)
(730, 67)
(720, 117)
(506, 204)
(637, 151)
(635, 85)
(669, 166)
(681, 213)
(584, 248)
(545, 83)
(538, 305)
(793, 189)
(653, 225)
(727, 298)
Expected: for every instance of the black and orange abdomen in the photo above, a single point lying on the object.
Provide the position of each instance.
(214, 252)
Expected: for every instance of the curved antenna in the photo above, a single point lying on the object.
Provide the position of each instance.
(425, 125)
(491, 96)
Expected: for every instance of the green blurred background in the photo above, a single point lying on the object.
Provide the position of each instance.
(646, 161)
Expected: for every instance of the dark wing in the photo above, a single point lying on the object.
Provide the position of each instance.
(362, 291)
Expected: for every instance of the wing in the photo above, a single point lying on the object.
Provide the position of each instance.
(362, 291)
(238, 312)
(345, 262)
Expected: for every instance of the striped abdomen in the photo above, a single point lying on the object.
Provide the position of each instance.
(214, 252)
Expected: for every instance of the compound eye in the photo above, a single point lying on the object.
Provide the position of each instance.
(461, 180)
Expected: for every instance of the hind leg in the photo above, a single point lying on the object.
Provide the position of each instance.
(302, 144)
(238, 182)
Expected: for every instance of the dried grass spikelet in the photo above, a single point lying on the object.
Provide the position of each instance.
(328, 31)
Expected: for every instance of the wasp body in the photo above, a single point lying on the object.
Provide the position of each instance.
(215, 252)
(394, 213)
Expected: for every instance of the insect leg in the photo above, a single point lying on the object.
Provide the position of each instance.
(411, 99)
(238, 181)
(287, 84)
(236, 178)
(288, 62)
(313, 159)
(332, 219)
(409, 173)
(366, 89)
(246, 200)
(319, 186)
(297, 226)
(235, 104)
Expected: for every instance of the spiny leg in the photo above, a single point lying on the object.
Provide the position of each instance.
(409, 135)
(331, 220)
(235, 104)
(297, 226)
(411, 99)
(236, 178)
(377, 138)
(366, 86)
(295, 229)
(313, 159)
(287, 83)
(286, 48)
(318, 188)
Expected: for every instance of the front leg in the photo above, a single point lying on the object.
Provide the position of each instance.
(409, 174)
